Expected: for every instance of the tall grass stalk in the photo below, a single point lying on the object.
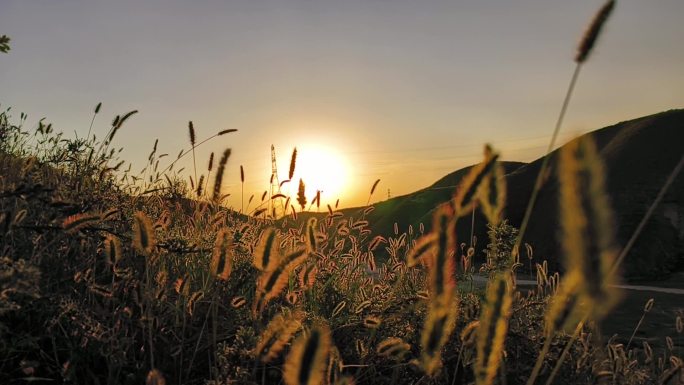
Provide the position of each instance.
(191, 130)
(242, 189)
(186, 152)
(584, 50)
(545, 161)
(97, 110)
(647, 309)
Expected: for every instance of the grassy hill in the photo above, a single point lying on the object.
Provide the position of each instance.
(638, 156)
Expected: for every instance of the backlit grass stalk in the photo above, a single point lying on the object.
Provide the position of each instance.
(266, 254)
(587, 241)
(493, 329)
(375, 185)
(116, 125)
(438, 327)
(191, 130)
(242, 189)
(277, 335)
(587, 226)
(183, 153)
(219, 176)
(473, 184)
(562, 310)
(305, 365)
(210, 166)
(584, 50)
(443, 307)
(271, 283)
(97, 110)
(647, 309)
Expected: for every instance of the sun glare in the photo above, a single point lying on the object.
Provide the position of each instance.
(321, 168)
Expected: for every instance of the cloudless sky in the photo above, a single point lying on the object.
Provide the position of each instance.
(405, 91)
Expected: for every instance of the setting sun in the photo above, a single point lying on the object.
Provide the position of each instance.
(321, 168)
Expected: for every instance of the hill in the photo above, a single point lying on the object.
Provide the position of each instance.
(638, 154)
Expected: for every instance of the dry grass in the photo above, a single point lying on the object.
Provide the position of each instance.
(112, 277)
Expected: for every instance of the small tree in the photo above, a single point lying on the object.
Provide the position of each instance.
(500, 248)
(4, 43)
(301, 198)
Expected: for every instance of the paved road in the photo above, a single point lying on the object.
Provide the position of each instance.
(668, 290)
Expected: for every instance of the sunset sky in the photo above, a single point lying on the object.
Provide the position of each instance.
(404, 91)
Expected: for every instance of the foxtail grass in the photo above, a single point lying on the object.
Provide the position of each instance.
(221, 256)
(647, 309)
(372, 190)
(143, 234)
(242, 189)
(218, 181)
(278, 334)
(266, 254)
(301, 194)
(443, 306)
(437, 329)
(306, 363)
(311, 241)
(587, 226)
(493, 329)
(473, 183)
(92, 121)
(191, 131)
(293, 163)
(393, 347)
(584, 50)
(271, 283)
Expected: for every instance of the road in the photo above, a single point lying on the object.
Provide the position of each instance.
(669, 290)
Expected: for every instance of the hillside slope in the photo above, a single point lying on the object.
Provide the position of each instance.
(639, 155)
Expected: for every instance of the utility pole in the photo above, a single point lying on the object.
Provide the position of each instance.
(275, 185)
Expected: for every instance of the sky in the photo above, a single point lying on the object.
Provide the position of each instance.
(402, 91)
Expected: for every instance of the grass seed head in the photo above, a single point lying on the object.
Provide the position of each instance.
(587, 225)
(278, 334)
(593, 31)
(493, 329)
(218, 181)
(143, 234)
(306, 363)
(221, 257)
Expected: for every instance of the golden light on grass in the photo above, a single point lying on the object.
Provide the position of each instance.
(271, 283)
(221, 257)
(306, 363)
(393, 347)
(493, 329)
(438, 327)
(266, 255)
(587, 225)
(277, 334)
(143, 234)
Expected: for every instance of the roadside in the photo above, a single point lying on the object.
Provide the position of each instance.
(658, 324)
(657, 289)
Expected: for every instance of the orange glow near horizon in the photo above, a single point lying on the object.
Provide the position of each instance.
(322, 169)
